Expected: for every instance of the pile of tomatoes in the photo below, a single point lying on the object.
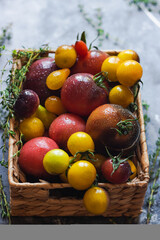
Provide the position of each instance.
(81, 131)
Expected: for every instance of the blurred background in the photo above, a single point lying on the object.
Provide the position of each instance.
(121, 24)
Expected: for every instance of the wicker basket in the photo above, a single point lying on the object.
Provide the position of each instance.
(59, 199)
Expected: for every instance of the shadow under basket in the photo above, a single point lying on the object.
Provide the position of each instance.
(42, 198)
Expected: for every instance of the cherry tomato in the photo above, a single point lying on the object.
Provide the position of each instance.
(110, 65)
(133, 169)
(65, 56)
(81, 175)
(31, 128)
(56, 79)
(96, 200)
(120, 175)
(45, 116)
(128, 55)
(56, 161)
(54, 105)
(80, 142)
(121, 95)
(81, 48)
(129, 72)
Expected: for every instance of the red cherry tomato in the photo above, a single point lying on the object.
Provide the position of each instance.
(120, 175)
(81, 48)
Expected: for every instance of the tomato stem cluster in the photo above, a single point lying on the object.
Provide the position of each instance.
(100, 79)
(125, 126)
(87, 155)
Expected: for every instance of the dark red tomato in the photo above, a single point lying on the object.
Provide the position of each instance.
(114, 127)
(26, 104)
(121, 175)
(81, 95)
(91, 63)
(36, 77)
(81, 48)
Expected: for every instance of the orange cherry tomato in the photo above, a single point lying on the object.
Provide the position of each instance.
(133, 169)
(56, 79)
(54, 105)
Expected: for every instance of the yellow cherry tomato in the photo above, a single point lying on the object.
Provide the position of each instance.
(54, 105)
(31, 127)
(128, 55)
(65, 56)
(133, 169)
(56, 161)
(110, 65)
(45, 116)
(56, 79)
(129, 72)
(121, 95)
(80, 142)
(96, 200)
(81, 175)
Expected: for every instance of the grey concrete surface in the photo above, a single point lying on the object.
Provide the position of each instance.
(58, 22)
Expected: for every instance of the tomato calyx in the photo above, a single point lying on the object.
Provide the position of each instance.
(87, 155)
(100, 79)
(83, 37)
(116, 160)
(124, 126)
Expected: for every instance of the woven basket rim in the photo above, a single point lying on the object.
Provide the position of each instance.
(144, 158)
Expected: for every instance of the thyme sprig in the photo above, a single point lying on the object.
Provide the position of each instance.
(10, 94)
(5, 209)
(96, 25)
(154, 157)
(154, 171)
(154, 176)
(147, 3)
(4, 36)
(153, 191)
(145, 115)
